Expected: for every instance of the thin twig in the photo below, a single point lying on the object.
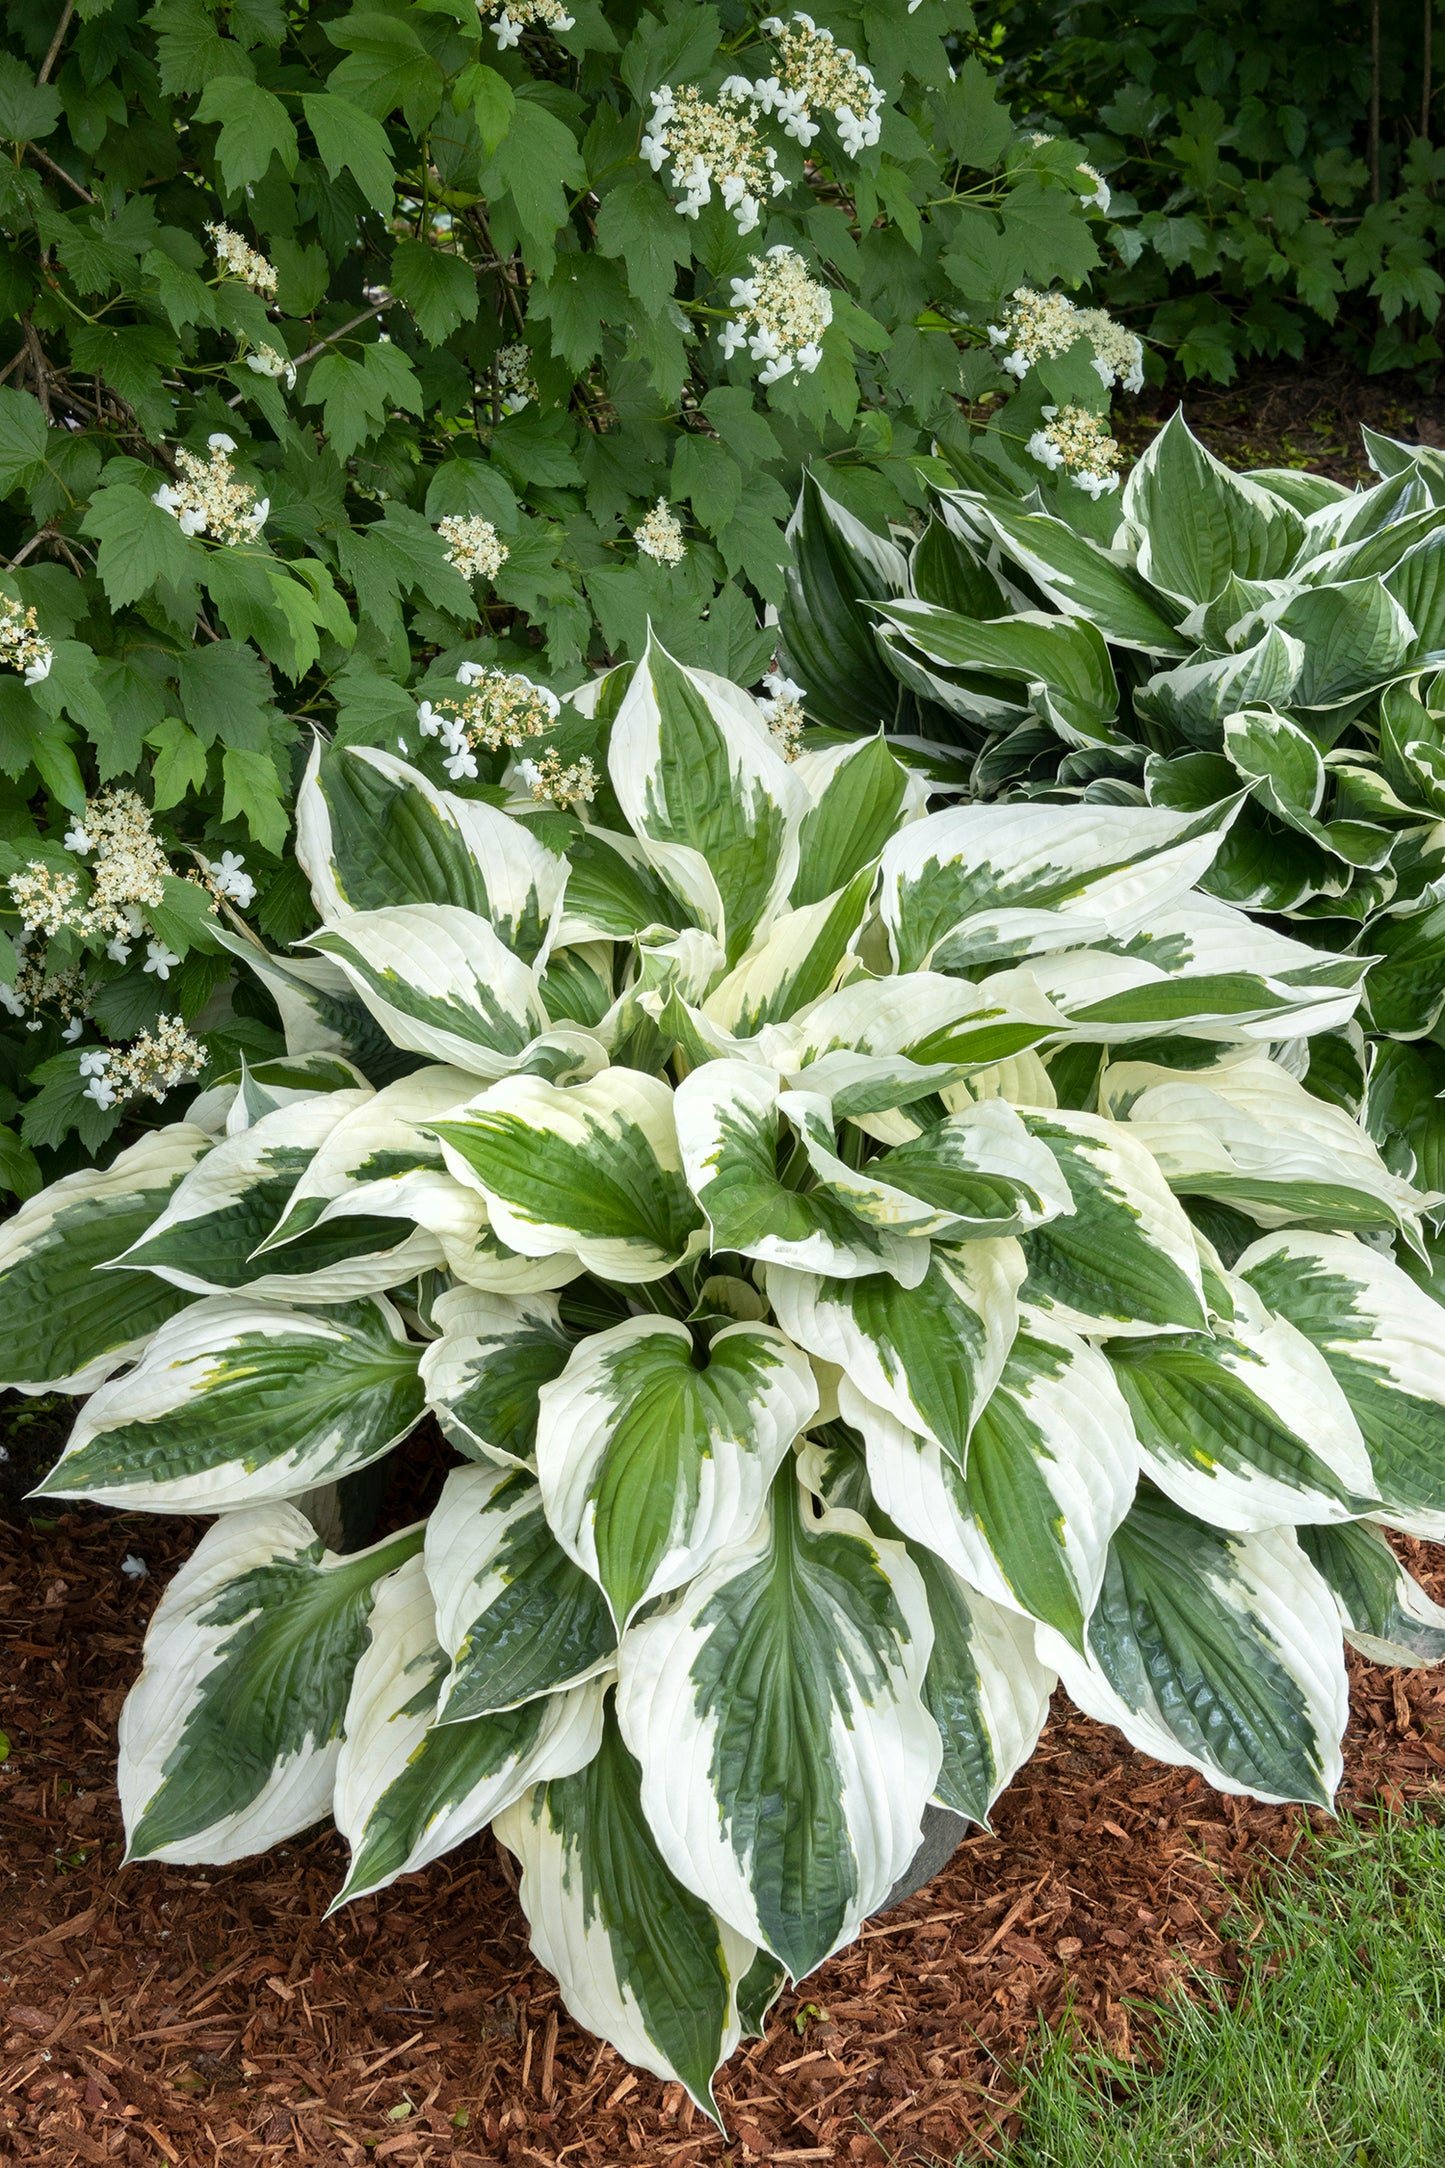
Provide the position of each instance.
(59, 172)
(56, 42)
(41, 534)
(378, 308)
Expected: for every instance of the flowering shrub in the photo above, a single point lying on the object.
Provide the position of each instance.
(868, 1264)
(348, 343)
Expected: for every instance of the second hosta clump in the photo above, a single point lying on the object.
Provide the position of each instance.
(870, 1263)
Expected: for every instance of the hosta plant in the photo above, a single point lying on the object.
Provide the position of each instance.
(869, 1262)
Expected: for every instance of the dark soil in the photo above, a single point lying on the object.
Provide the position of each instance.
(1303, 417)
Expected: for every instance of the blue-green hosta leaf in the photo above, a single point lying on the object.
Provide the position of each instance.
(696, 771)
(1194, 521)
(409, 1788)
(651, 1462)
(372, 832)
(929, 1354)
(1245, 1428)
(206, 1238)
(377, 1157)
(1246, 1134)
(1196, 696)
(1385, 1612)
(238, 1403)
(1200, 969)
(639, 1959)
(483, 1375)
(515, 1615)
(1221, 1652)
(1053, 1464)
(63, 1328)
(1382, 1337)
(776, 1709)
(800, 959)
(591, 1169)
(229, 1737)
(861, 795)
(984, 882)
(1124, 1260)
(1073, 573)
(729, 1121)
(984, 1688)
(440, 982)
(1065, 658)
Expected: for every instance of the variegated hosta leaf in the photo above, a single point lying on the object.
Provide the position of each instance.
(1248, 1135)
(319, 1012)
(206, 1238)
(234, 1102)
(696, 771)
(776, 1709)
(409, 1788)
(1194, 521)
(614, 890)
(1384, 1339)
(372, 1160)
(1246, 1428)
(239, 1403)
(650, 1463)
(1124, 1260)
(639, 1959)
(1222, 1652)
(1052, 1468)
(1072, 572)
(229, 1737)
(483, 1375)
(861, 795)
(62, 1326)
(984, 1688)
(729, 1123)
(439, 981)
(593, 1169)
(984, 882)
(1386, 1614)
(929, 1354)
(983, 1170)
(1062, 661)
(1196, 697)
(372, 832)
(1199, 969)
(925, 1015)
(516, 1616)
(797, 962)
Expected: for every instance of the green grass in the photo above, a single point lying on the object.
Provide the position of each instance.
(1333, 2052)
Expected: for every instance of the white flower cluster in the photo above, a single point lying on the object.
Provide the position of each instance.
(814, 70)
(209, 500)
(227, 876)
(269, 361)
(660, 535)
(782, 315)
(515, 386)
(473, 545)
(152, 1065)
(713, 145)
(127, 879)
(36, 988)
(236, 257)
(1078, 443)
(515, 16)
(1039, 326)
(501, 708)
(553, 784)
(1097, 195)
(781, 702)
(22, 647)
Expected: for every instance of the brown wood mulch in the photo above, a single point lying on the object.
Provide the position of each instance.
(197, 2017)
